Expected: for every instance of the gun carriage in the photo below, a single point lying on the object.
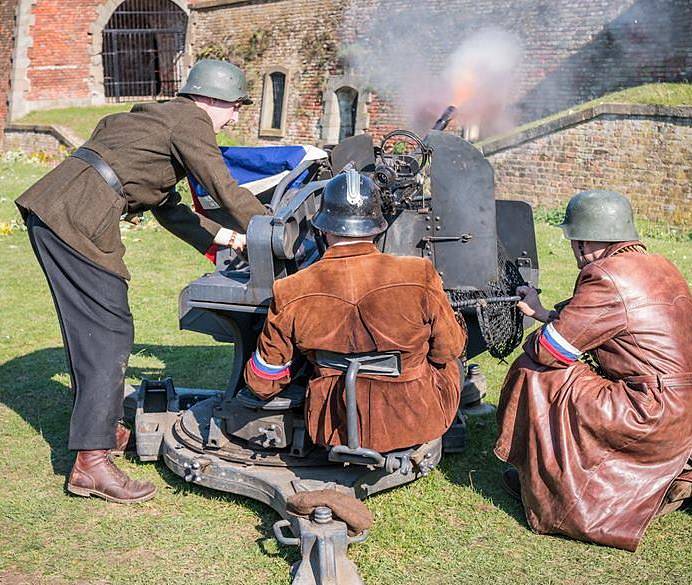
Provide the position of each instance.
(438, 197)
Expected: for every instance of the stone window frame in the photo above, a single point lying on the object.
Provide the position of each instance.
(266, 112)
(104, 13)
(330, 122)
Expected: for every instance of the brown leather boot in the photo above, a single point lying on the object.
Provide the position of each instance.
(122, 439)
(511, 483)
(95, 474)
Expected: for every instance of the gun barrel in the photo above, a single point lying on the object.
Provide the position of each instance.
(446, 117)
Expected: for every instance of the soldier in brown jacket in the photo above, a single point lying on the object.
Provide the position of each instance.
(131, 163)
(600, 449)
(356, 299)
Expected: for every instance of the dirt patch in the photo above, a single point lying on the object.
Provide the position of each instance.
(14, 577)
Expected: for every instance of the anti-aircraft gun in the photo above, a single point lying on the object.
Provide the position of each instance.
(438, 197)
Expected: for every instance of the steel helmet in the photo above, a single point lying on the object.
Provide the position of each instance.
(217, 79)
(599, 216)
(350, 206)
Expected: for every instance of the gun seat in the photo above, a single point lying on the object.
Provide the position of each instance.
(371, 363)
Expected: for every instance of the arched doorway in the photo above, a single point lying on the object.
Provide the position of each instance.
(143, 48)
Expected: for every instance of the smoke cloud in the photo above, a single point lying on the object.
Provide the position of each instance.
(421, 63)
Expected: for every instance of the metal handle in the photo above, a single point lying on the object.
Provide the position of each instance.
(351, 405)
(358, 538)
(279, 535)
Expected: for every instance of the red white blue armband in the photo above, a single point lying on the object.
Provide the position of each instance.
(557, 346)
(267, 371)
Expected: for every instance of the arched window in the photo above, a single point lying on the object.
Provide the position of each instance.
(345, 113)
(348, 110)
(143, 47)
(274, 96)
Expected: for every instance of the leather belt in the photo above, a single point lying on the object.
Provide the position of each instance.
(94, 159)
(659, 380)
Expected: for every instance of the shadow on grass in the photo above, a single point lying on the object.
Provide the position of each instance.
(29, 387)
(478, 468)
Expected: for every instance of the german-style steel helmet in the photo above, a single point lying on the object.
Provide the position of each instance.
(220, 80)
(599, 216)
(350, 206)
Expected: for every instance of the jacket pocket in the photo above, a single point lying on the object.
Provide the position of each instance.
(96, 215)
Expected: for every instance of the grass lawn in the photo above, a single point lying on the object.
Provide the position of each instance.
(82, 121)
(660, 94)
(455, 526)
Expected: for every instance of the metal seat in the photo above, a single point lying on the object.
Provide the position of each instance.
(373, 363)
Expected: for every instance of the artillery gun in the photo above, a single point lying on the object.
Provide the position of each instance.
(438, 197)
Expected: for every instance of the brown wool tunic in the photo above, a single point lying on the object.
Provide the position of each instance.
(150, 149)
(356, 299)
(597, 454)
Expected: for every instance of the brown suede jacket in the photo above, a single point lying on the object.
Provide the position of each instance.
(356, 299)
(150, 149)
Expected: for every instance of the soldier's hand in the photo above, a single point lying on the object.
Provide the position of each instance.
(238, 242)
(530, 304)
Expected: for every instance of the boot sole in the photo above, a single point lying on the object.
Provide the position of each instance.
(87, 493)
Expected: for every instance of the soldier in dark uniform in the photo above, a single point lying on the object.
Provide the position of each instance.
(131, 163)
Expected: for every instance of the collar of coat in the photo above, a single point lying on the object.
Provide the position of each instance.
(621, 247)
(347, 250)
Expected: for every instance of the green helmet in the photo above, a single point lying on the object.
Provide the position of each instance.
(599, 216)
(217, 79)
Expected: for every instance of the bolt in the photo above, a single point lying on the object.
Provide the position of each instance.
(195, 465)
(427, 227)
(427, 218)
(197, 477)
(437, 218)
(322, 515)
(438, 228)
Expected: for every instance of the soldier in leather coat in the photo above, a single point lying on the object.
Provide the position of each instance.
(131, 163)
(598, 454)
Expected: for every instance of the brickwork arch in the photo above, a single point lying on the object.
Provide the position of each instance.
(104, 13)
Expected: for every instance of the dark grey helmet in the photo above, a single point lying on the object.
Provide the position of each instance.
(351, 207)
(599, 216)
(217, 79)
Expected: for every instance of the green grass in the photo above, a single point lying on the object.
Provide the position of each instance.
(455, 526)
(82, 121)
(661, 94)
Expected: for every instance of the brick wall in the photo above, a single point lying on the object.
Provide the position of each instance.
(301, 38)
(8, 10)
(645, 153)
(573, 51)
(61, 62)
(60, 52)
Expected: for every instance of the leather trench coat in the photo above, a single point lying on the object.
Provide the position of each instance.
(356, 299)
(596, 452)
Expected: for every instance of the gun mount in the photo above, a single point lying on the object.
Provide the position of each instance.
(438, 197)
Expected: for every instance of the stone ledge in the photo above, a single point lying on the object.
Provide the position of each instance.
(568, 120)
(63, 136)
(206, 4)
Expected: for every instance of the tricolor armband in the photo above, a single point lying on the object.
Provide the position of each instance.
(557, 346)
(268, 371)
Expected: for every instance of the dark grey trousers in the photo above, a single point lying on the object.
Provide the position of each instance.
(97, 332)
